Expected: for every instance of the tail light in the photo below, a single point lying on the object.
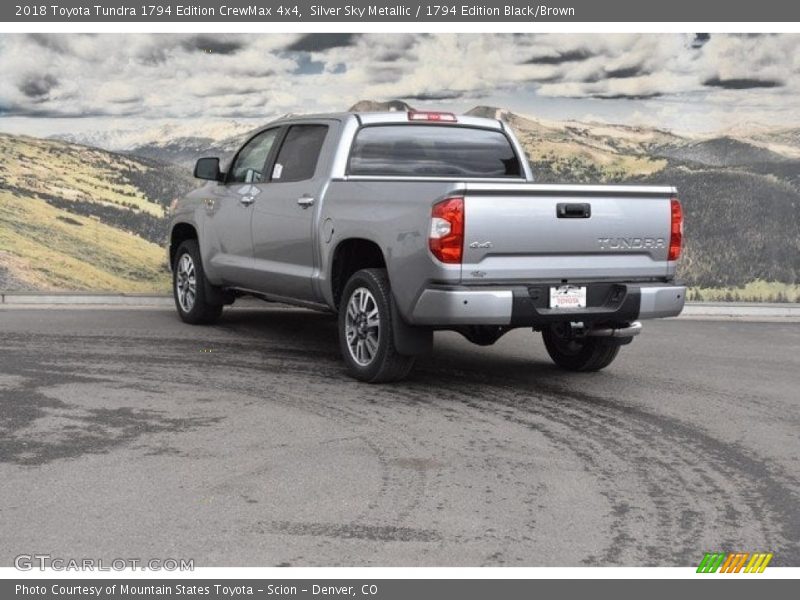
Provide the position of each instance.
(676, 230)
(446, 239)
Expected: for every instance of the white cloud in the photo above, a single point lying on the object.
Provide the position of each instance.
(164, 76)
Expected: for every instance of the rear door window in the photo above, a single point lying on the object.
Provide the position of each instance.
(433, 151)
(299, 153)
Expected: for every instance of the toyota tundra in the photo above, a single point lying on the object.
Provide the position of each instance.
(407, 223)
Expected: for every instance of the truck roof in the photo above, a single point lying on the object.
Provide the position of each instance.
(390, 117)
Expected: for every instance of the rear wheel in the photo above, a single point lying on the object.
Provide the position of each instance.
(578, 353)
(189, 286)
(366, 337)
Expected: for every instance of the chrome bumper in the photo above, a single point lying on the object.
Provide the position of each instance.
(460, 306)
(464, 307)
(659, 301)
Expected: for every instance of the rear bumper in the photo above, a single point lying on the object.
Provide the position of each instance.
(519, 306)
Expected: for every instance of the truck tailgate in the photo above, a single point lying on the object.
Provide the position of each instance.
(529, 232)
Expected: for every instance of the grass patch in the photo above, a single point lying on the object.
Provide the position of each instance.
(54, 250)
(755, 291)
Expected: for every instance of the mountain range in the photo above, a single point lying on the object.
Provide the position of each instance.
(740, 188)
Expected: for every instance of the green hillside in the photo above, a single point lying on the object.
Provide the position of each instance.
(740, 226)
(79, 218)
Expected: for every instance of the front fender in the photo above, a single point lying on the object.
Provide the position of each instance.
(191, 211)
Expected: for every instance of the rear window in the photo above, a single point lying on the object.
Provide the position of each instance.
(432, 151)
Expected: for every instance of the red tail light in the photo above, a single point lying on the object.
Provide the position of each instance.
(676, 230)
(446, 239)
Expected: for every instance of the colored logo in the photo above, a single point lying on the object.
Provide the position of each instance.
(734, 562)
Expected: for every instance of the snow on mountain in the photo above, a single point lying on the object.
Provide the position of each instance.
(163, 134)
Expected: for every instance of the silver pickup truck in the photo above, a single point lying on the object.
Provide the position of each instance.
(404, 223)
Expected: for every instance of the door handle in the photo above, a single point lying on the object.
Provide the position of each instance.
(247, 200)
(305, 201)
(566, 210)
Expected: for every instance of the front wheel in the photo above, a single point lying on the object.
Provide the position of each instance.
(189, 286)
(366, 338)
(578, 353)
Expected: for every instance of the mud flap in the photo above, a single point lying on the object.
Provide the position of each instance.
(217, 295)
(410, 340)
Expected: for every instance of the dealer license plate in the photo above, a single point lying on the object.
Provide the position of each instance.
(568, 296)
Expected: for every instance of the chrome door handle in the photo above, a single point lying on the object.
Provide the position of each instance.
(247, 200)
(305, 201)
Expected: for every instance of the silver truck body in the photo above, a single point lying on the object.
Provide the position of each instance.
(282, 240)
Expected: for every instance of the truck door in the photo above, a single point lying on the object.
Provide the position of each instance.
(284, 214)
(229, 211)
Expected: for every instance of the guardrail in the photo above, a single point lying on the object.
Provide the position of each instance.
(741, 309)
(84, 298)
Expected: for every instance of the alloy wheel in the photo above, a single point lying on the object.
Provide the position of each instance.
(186, 283)
(362, 326)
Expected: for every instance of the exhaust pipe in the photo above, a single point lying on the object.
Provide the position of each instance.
(622, 332)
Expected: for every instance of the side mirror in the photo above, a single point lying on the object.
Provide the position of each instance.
(208, 168)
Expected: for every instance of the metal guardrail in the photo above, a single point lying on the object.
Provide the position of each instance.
(741, 309)
(85, 298)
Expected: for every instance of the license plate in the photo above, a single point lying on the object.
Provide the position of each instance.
(568, 296)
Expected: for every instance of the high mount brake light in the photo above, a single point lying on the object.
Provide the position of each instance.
(426, 115)
(675, 230)
(446, 238)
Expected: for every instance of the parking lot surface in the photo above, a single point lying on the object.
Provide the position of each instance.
(127, 434)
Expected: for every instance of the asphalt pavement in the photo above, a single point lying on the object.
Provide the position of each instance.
(125, 433)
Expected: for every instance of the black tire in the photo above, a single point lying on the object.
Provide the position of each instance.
(199, 311)
(377, 361)
(581, 353)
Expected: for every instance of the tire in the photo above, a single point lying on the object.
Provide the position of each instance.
(189, 287)
(366, 337)
(581, 353)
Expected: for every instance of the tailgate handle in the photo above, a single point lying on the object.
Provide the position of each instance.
(567, 210)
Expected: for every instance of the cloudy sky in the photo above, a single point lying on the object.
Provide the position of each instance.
(53, 83)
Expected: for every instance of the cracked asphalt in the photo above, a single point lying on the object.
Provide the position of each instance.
(125, 433)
